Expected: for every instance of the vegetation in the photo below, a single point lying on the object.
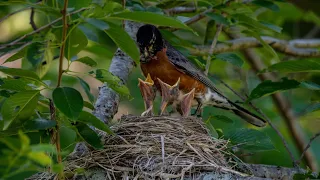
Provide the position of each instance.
(55, 54)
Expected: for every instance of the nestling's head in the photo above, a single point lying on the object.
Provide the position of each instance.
(150, 42)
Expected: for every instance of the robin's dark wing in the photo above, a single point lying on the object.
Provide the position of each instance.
(184, 65)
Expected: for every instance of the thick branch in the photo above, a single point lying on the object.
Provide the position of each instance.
(107, 103)
(298, 47)
(38, 30)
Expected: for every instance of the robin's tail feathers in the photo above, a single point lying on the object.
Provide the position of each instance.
(248, 116)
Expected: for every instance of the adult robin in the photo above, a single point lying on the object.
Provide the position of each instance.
(167, 66)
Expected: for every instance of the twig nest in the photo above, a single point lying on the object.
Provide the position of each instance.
(157, 147)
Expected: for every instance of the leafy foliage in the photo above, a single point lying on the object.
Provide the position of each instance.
(95, 30)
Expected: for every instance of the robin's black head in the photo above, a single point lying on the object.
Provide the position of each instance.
(150, 42)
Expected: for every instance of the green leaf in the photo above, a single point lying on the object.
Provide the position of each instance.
(212, 130)
(269, 50)
(271, 26)
(90, 119)
(123, 41)
(19, 53)
(14, 85)
(86, 88)
(69, 101)
(310, 85)
(49, 148)
(222, 118)
(267, 4)
(21, 73)
(102, 25)
(294, 66)
(40, 157)
(268, 87)
(87, 61)
(252, 23)
(77, 4)
(218, 18)
(76, 42)
(89, 136)
(231, 58)
(69, 138)
(113, 82)
(19, 105)
(39, 124)
(47, 56)
(249, 139)
(88, 105)
(151, 18)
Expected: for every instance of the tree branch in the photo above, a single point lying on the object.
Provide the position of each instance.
(284, 109)
(298, 47)
(212, 47)
(307, 147)
(107, 102)
(179, 10)
(3, 46)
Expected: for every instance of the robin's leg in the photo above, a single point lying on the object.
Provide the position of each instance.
(169, 94)
(198, 111)
(148, 93)
(186, 103)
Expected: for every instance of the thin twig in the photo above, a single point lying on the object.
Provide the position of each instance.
(32, 23)
(264, 116)
(15, 12)
(283, 106)
(63, 43)
(307, 147)
(214, 42)
(38, 30)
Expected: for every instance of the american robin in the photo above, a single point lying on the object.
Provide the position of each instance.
(159, 59)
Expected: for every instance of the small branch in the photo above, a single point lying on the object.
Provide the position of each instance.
(55, 135)
(264, 116)
(298, 47)
(32, 23)
(179, 10)
(38, 30)
(307, 147)
(15, 12)
(283, 106)
(214, 42)
(64, 34)
(198, 17)
(257, 65)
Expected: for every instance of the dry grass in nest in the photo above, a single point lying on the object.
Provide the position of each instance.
(151, 147)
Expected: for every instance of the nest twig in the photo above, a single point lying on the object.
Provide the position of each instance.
(157, 147)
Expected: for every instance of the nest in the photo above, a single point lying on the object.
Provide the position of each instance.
(157, 147)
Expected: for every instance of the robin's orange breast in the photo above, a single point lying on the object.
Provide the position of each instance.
(161, 68)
